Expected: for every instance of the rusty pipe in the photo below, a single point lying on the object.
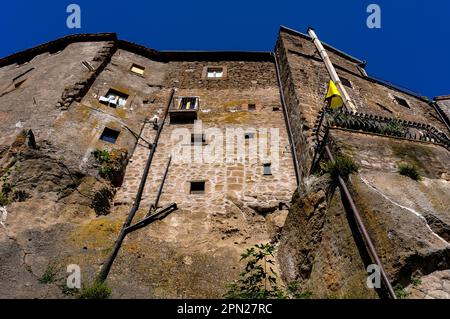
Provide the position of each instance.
(363, 229)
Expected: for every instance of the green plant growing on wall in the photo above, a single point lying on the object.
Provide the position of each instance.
(258, 280)
(293, 290)
(341, 166)
(416, 282)
(394, 128)
(49, 276)
(98, 290)
(410, 171)
(4, 199)
(400, 292)
(104, 158)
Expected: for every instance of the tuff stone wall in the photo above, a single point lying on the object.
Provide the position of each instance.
(32, 105)
(68, 214)
(240, 206)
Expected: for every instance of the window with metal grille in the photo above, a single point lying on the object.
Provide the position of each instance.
(109, 135)
(188, 103)
(401, 101)
(197, 187)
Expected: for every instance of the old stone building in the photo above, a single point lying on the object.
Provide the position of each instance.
(233, 139)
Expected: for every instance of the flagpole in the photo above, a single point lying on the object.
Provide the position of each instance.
(331, 70)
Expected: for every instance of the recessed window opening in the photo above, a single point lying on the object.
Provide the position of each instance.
(252, 107)
(114, 98)
(276, 108)
(20, 79)
(267, 169)
(346, 82)
(401, 101)
(137, 69)
(19, 83)
(188, 103)
(197, 187)
(109, 135)
(214, 72)
(249, 135)
(198, 139)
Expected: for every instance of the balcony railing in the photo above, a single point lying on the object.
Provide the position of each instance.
(184, 109)
(374, 124)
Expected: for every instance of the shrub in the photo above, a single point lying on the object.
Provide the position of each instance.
(409, 170)
(4, 199)
(106, 171)
(293, 289)
(400, 292)
(7, 188)
(98, 290)
(416, 282)
(102, 156)
(258, 280)
(342, 165)
(49, 276)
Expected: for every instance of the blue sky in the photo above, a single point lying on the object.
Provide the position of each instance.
(412, 48)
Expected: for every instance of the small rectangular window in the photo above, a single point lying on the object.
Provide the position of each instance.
(252, 107)
(401, 101)
(276, 108)
(267, 169)
(198, 139)
(109, 135)
(249, 136)
(114, 98)
(214, 72)
(19, 83)
(137, 69)
(346, 82)
(197, 187)
(188, 103)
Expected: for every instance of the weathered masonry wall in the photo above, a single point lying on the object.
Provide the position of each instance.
(306, 81)
(407, 220)
(240, 206)
(32, 105)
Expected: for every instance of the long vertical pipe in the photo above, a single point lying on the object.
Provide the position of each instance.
(363, 229)
(331, 70)
(108, 264)
(287, 120)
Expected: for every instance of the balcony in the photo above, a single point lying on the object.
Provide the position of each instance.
(184, 109)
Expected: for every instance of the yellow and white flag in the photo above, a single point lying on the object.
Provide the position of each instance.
(334, 98)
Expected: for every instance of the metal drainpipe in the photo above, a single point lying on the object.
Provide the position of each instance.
(287, 121)
(363, 229)
(331, 70)
(108, 264)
